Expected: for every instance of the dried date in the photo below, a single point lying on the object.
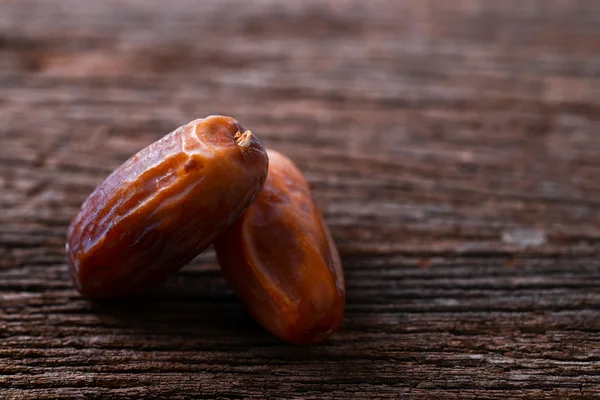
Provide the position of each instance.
(280, 259)
(164, 206)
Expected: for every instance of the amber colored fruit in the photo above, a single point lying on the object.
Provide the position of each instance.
(164, 206)
(280, 260)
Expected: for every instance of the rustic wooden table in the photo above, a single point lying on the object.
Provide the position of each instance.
(453, 147)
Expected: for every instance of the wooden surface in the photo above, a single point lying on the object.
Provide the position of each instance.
(453, 147)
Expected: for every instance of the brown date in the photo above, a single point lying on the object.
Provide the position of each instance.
(164, 206)
(280, 260)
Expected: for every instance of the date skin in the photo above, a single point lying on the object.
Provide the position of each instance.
(164, 206)
(280, 260)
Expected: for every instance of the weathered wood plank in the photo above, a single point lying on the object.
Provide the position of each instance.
(452, 146)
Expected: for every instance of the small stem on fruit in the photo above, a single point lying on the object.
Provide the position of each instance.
(243, 139)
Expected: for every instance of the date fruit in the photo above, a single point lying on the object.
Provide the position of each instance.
(164, 206)
(280, 259)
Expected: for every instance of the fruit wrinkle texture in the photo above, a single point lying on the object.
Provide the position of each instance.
(281, 261)
(163, 206)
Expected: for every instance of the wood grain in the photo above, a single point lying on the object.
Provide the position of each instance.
(453, 147)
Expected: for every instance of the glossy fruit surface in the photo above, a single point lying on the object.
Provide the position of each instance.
(280, 259)
(163, 206)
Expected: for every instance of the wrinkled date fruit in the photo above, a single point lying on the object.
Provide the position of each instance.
(280, 260)
(164, 206)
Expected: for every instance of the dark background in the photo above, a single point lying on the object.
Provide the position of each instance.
(452, 145)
